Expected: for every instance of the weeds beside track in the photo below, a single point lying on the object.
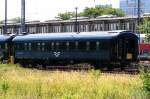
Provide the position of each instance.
(21, 83)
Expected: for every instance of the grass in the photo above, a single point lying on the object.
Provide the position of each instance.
(20, 83)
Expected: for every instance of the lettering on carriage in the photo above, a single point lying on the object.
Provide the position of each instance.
(57, 54)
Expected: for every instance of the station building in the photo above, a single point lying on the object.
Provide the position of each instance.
(83, 25)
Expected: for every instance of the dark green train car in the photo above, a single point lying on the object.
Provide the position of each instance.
(103, 48)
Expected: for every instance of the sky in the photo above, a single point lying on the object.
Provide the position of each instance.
(48, 9)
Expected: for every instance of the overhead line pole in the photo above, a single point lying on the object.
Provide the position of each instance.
(23, 16)
(5, 26)
(76, 24)
(139, 12)
(139, 20)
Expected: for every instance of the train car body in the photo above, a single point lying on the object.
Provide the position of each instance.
(102, 48)
(144, 52)
(5, 47)
(144, 48)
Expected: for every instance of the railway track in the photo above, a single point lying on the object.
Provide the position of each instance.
(135, 69)
(77, 67)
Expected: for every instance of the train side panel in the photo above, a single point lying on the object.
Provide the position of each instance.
(94, 47)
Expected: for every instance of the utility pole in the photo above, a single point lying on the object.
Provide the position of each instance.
(139, 12)
(5, 26)
(23, 30)
(76, 24)
(139, 20)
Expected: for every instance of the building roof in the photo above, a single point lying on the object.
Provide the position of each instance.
(81, 20)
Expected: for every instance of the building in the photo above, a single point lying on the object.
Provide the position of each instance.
(130, 7)
(83, 25)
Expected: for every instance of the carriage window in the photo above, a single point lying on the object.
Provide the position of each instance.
(82, 45)
(92, 45)
(29, 46)
(20, 46)
(87, 46)
(47, 46)
(25, 46)
(67, 44)
(43, 46)
(57, 46)
(34, 47)
(16, 46)
(38, 46)
(62, 46)
(97, 45)
(1, 46)
(6, 46)
(52, 46)
(104, 45)
(72, 46)
(76, 44)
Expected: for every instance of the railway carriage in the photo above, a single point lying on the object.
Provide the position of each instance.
(98, 48)
(5, 47)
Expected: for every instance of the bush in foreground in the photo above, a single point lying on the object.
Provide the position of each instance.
(19, 83)
(145, 76)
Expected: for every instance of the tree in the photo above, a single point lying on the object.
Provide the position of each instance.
(144, 28)
(1, 22)
(103, 10)
(16, 20)
(93, 12)
(65, 16)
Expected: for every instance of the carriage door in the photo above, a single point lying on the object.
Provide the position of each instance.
(128, 46)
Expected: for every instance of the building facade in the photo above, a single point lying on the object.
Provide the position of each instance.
(84, 25)
(130, 7)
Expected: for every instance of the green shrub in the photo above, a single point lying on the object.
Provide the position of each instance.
(24, 83)
(5, 86)
(145, 76)
(96, 73)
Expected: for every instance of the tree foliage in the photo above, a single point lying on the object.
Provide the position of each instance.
(144, 28)
(16, 20)
(93, 12)
(65, 16)
(145, 76)
(1, 22)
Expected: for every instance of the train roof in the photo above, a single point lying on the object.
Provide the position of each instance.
(4, 38)
(69, 36)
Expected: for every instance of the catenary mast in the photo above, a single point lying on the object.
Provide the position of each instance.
(23, 30)
(5, 25)
(139, 11)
